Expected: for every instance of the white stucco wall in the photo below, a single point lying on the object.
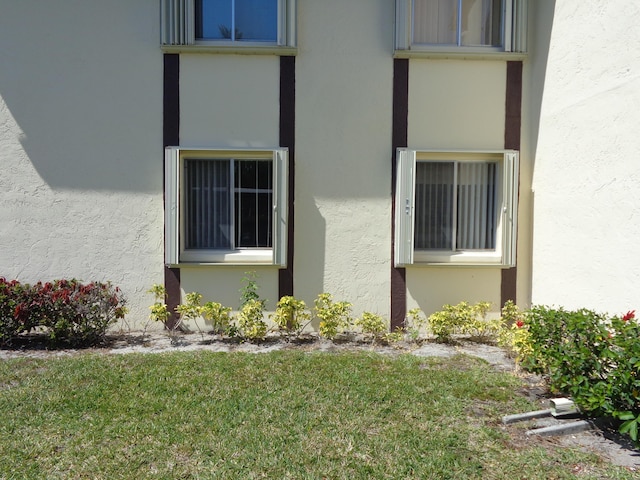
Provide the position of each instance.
(455, 104)
(587, 213)
(80, 144)
(344, 76)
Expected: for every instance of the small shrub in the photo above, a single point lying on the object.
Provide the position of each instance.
(589, 357)
(219, 317)
(251, 324)
(249, 289)
(334, 316)
(414, 323)
(372, 325)
(14, 310)
(463, 318)
(159, 310)
(291, 315)
(514, 334)
(190, 310)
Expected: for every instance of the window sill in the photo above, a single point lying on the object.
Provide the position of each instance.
(258, 256)
(459, 55)
(463, 259)
(282, 51)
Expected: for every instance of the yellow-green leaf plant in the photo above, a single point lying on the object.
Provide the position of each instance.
(159, 311)
(190, 310)
(415, 323)
(291, 316)
(219, 316)
(334, 317)
(251, 322)
(372, 326)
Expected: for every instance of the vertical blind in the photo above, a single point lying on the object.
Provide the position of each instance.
(227, 204)
(455, 206)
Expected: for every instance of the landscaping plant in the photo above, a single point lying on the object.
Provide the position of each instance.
(372, 325)
(335, 317)
(463, 318)
(593, 359)
(68, 311)
(291, 315)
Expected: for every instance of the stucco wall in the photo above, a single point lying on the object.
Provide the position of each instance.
(455, 104)
(343, 151)
(229, 101)
(80, 143)
(585, 248)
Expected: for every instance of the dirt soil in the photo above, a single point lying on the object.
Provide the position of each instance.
(601, 440)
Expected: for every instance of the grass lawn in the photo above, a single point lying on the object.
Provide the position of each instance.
(286, 414)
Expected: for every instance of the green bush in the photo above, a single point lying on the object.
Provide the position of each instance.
(589, 357)
(463, 318)
(69, 311)
(334, 316)
(372, 325)
(291, 315)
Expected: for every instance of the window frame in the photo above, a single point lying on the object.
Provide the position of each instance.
(514, 36)
(177, 21)
(504, 255)
(175, 253)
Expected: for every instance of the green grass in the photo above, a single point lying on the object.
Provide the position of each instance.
(276, 415)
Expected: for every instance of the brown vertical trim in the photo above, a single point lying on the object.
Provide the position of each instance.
(398, 139)
(512, 127)
(287, 139)
(171, 137)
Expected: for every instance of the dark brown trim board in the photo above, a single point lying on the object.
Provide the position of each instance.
(171, 137)
(287, 139)
(512, 126)
(398, 139)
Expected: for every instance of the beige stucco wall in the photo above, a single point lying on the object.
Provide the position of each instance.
(81, 148)
(229, 101)
(80, 143)
(455, 104)
(585, 248)
(344, 74)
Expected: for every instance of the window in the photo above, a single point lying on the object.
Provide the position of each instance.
(480, 26)
(226, 206)
(456, 207)
(237, 20)
(220, 24)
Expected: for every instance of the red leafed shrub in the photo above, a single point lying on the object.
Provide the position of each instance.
(69, 311)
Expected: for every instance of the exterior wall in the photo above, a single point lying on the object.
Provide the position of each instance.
(343, 151)
(455, 104)
(585, 249)
(81, 136)
(80, 144)
(229, 101)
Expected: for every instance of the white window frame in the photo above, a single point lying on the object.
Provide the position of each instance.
(514, 35)
(177, 22)
(504, 255)
(177, 255)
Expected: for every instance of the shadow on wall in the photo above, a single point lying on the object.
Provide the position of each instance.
(309, 257)
(433, 287)
(540, 27)
(87, 98)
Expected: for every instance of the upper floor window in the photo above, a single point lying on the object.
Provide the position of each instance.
(461, 26)
(237, 20)
(220, 25)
